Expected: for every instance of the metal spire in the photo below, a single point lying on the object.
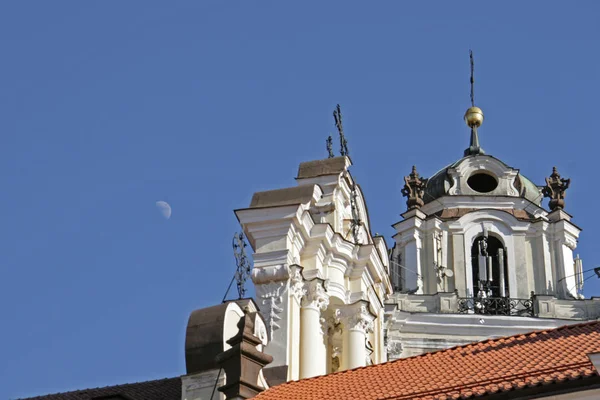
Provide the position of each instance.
(473, 116)
(472, 79)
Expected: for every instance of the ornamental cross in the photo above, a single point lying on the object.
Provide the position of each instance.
(244, 265)
(414, 189)
(329, 143)
(555, 189)
(337, 117)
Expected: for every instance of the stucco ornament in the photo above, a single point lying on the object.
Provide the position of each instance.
(334, 331)
(315, 295)
(414, 189)
(393, 348)
(297, 288)
(555, 189)
(356, 317)
(272, 296)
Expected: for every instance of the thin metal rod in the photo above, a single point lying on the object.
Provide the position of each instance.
(472, 79)
(228, 287)
(216, 383)
(582, 272)
(574, 287)
(408, 269)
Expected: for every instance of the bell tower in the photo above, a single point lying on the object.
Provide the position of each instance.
(476, 254)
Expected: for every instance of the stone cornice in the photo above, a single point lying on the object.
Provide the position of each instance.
(489, 216)
(484, 202)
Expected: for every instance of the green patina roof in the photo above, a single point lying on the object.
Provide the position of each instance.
(437, 186)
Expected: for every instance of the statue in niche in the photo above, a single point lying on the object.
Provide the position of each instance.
(414, 189)
(555, 189)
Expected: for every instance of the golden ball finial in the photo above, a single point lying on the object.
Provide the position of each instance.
(474, 117)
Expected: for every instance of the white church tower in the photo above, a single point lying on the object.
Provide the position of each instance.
(321, 278)
(477, 256)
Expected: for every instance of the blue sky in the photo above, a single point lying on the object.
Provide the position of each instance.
(108, 107)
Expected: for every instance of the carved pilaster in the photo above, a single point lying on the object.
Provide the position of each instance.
(271, 295)
(271, 284)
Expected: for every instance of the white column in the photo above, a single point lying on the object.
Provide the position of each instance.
(313, 351)
(357, 321)
(567, 283)
(501, 281)
(412, 255)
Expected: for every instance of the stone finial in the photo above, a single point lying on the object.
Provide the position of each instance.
(414, 189)
(555, 189)
(243, 362)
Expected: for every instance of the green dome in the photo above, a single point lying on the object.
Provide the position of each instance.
(438, 185)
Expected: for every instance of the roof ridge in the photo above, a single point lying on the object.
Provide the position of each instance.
(118, 386)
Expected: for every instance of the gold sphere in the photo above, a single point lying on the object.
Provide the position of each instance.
(474, 117)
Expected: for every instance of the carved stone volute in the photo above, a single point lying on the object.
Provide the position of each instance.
(555, 189)
(414, 189)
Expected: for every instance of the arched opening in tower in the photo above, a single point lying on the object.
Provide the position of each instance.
(490, 269)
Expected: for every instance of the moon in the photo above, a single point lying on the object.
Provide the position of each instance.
(164, 208)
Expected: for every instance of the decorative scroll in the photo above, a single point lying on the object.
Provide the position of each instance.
(414, 189)
(555, 189)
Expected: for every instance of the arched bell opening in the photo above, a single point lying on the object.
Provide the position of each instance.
(490, 268)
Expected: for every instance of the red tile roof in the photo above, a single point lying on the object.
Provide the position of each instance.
(161, 389)
(483, 368)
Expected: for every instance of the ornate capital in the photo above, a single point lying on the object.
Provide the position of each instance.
(555, 189)
(414, 189)
(315, 295)
(570, 242)
(357, 317)
(297, 289)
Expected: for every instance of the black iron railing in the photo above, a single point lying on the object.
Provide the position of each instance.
(496, 306)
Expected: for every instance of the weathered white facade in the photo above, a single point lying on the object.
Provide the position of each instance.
(477, 256)
(321, 278)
